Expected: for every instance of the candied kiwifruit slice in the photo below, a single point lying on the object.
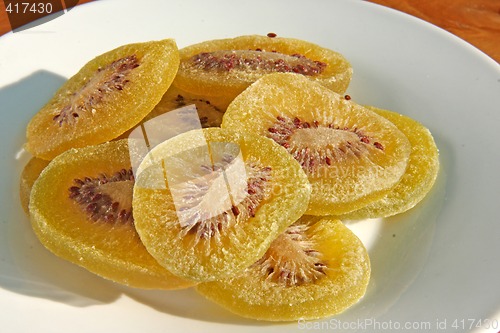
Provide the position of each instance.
(209, 111)
(29, 175)
(209, 202)
(108, 96)
(420, 175)
(351, 155)
(316, 268)
(225, 67)
(81, 210)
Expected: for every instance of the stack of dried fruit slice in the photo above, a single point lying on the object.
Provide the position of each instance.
(420, 175)
(361, 163)
(202, 219)
(223, 208)
(80, 205)
(351, 155)
(212, 73)
(29, 175)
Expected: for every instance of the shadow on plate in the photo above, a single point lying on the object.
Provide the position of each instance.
(26, 267)
(189, 304)
(403, 246)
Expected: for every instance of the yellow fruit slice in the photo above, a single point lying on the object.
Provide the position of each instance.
(80, 209)
(225, 67)
(420, 175)
(209, 112)
(351, 155)
(209, 202)
(29, 175)
(108, 96)
(313, 270)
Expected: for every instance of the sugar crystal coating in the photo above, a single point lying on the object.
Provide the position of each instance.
(315, 269)
(69, 209)
(351, 155)
(209, 202)
(106, 97)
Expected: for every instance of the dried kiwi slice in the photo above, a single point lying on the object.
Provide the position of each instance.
(29, 175)
(209, 202)
(352, 156)
(108, 96)
(225, 67)
(316, 268)
(80, 209)
(420, 175)
(210, 110)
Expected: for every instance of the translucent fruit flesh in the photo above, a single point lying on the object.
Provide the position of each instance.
(108, 96)
(352, 156)
(315, 269)
(225, 67)
(209, 202)
(80, 209)
(28, 177)
(209, 109)
(420, 175)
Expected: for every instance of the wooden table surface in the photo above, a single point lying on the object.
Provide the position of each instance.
(476, 21)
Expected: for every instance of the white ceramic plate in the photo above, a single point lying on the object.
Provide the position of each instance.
(434, 269)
